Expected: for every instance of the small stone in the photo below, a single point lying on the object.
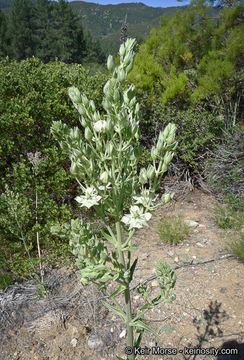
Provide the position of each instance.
(122, 334)
(95, 342)
(191, 223)
(171, 253)
(144, 256)
(112, 330)
(176, 259)
(74, 342)
(74, 331)
(194, 257)
(199, 244)
(223, 290)
(154, 283)
(136, 297)
(12, 332)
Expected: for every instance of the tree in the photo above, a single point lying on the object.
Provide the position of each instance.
(69, 44)
(20, 29)
(44, 34)
(94, 52)
(193, 57)
(3, 40)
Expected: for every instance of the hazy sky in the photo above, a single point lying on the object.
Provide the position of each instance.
(154, 3)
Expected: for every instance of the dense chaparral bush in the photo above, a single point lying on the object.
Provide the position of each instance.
(32, 95)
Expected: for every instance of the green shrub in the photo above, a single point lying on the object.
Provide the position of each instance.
(230, 214)
(197, 133)
(53, 187)
(172, 230)
(32, 96)
(5, 281)
(236, 247)
(225, 169)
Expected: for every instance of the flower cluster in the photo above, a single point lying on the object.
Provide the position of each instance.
(137, 217)
(90, 198)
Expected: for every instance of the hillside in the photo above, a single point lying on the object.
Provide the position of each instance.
(104, 21)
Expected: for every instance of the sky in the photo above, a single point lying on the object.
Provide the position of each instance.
(154, 3)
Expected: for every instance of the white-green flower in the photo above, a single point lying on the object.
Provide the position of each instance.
(100, 126)
(90, 198)
(137, 218)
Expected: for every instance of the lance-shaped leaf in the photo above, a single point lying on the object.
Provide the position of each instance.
(141, 324)
(111, 239)
(117, 311)
(120, 289)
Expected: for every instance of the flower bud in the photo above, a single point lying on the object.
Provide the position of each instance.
(104, 177)
(74, 168)
(127, 59)
(88, 134)
(169, 133)
(167, 197)
(110, 63)
(121, 75)
(85, 101)
(150, 172)
(122, 50)
(168, 157)
(109, 148)
(164, 168)
(143, 176)
(116, 95)
(83, 121)
(154, 153)
(74, 94)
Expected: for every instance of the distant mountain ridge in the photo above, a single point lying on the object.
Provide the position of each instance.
(105, 21)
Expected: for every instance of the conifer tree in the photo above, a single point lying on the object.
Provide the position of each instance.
(44, 32)
(3, 40)
(20, 29)
(69, 43)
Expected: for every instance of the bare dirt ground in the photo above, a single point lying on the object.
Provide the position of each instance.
(72, 324)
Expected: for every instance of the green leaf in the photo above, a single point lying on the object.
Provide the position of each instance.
(120, 289)
(115, 310)
(138, 340)
(111, 239)
(147, 306)
(141, 324)
(132, 269)
(129, 248)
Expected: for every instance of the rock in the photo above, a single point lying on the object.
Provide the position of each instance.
(194, 257)
(95, 342)
(74, 331)
(144, 256)
(199, 244)
(171, 253)
(154, 283)
(223, 290)
(74, 342)
(122, 334)
(191, 223)
(176, 259)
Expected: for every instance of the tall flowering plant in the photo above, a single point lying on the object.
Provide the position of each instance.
(104, 160)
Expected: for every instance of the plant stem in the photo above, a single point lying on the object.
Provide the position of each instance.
(126, 292)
